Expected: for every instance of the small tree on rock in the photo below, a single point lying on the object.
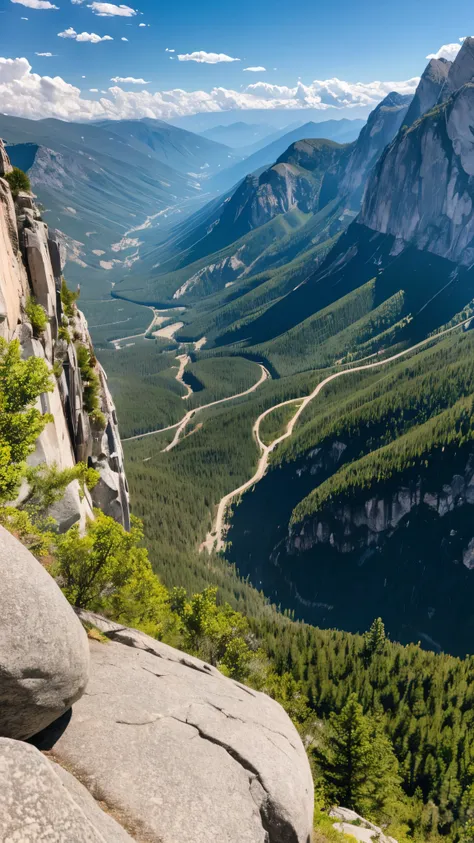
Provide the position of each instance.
(18, 181)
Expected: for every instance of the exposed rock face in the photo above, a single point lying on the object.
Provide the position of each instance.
(31, 264)
(187, 755)
(39, 801)
(294, 181)
(359, 524)
(381, 127)
(5, 166)
(430, 89)
(422, 189)
(44, 657)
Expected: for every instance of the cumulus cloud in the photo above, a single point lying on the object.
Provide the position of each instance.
(167, 50)
(109, 10)
(142, 24)
(84, 36)
(129, 80)
(124, 39)
(205, 58)
(27, 94)
(45, 55)
(94, 90)
(257, 69)
(36, 4)
(447, 51)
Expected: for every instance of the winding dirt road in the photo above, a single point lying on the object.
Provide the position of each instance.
(214, 539)
(184, 359)
(189, 415)
(181, 425)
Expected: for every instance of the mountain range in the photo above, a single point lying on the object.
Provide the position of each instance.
(335, 254)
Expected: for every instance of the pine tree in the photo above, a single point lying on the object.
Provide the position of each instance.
(374, 639)
(357, 763)
(345, 758)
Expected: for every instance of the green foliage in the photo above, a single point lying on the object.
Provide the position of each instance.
(274, 425)
(353, 325)
(290, 693)
(37, 316)
(18, 181)
(90, 379)
(37, 538)
(105, 557)
(356, 762)
(215, 633)
(21, 383)
(47, 484)
(58, 368)
(69, 299)
(374, 639)
(98, 419)
(63, 334)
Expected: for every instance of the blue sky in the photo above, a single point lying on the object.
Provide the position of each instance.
(355, 42)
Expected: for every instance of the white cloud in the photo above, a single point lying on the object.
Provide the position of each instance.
(109, 10)
(142, 24)
(45, 55)
(84, 36)
(124, 39)
(129, 80)
(167, 50)
(36, 4)
(94, 90)
(257, 69)
(27, 94)
(447, 51)
(205, 58)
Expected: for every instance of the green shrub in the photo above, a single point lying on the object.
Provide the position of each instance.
(48, 483)
(68, 299)
(57, 369)
(90, 379)
(63, 334)
(37, 316)
(18, 181)
(21, 383)
(98, 419)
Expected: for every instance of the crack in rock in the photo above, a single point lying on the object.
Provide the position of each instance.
(140, 723)
(225, 713)
(276, 827)
(158, 675)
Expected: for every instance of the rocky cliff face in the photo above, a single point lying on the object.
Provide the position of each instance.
(430, 89)
(31, 266)
(294, 181)
(422, 189)
(381, 127)
(369, 521)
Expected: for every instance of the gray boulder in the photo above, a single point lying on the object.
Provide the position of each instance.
(192, 755)
(39, 801)
(44, 656)
(353, 825)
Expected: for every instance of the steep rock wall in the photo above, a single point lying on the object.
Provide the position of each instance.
(368, 520)
(422, 190)
(31, 265)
